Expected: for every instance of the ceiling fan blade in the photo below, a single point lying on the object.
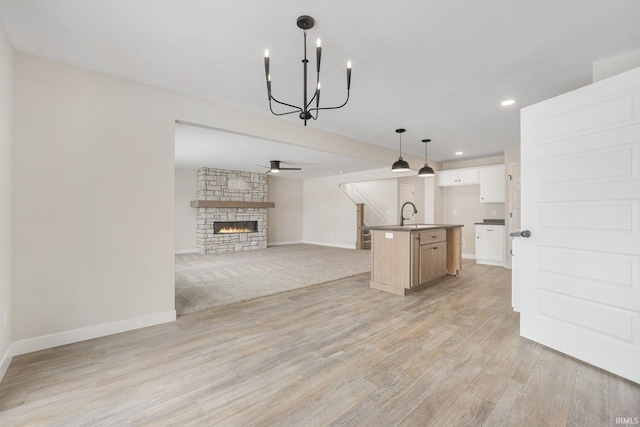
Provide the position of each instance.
(275, 167)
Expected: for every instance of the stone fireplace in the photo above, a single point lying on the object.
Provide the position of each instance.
(232, 211)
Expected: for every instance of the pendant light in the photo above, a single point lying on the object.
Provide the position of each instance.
(400, 165)
(426, 170)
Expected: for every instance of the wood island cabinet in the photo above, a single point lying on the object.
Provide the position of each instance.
(408, 258)
(430, 262)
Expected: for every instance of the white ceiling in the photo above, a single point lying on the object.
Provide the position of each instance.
(202, 147)
(438, 68)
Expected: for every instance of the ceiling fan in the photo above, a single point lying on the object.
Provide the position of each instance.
(275, 167)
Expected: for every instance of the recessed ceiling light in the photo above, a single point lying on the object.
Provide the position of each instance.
(459, 153)
(507, 102)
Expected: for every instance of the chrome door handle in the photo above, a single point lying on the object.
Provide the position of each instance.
(524, 233)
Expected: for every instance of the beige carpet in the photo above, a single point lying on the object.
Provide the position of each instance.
(207, 281)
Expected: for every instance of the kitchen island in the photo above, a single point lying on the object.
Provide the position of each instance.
(405, 258)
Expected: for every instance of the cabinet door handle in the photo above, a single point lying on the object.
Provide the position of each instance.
(489, 229)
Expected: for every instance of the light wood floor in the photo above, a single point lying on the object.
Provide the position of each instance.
(334, 354)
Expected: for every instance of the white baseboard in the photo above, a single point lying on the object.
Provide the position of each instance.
(292, 242)
(4, 362)
(332, 245)
(468, 256)
(186, 251)
(485, 262)
(83, 334)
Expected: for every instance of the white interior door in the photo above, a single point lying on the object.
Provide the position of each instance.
(580, 269)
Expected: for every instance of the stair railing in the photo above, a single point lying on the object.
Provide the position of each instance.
(347, 190)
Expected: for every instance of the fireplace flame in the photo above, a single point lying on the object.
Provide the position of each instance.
(228, 230)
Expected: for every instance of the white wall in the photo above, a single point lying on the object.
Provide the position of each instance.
(615, 65)
(382, 195)
(329, 218)
(418, 184)
(432, 201)
(186, 183)
(461, 205)
(483, 161)
(285, 220)
(6, 141)
(93, 205)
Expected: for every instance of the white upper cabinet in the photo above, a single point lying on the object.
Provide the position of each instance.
(490, 178)
(492, 184)
(453, 177)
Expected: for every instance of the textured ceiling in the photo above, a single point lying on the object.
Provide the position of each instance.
(203, 147)
(438, 68)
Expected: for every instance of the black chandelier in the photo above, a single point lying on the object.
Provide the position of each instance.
(305, 113)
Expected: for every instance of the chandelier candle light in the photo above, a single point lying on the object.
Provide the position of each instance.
(305, 113)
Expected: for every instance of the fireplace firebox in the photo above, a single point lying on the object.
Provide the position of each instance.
(232, 227)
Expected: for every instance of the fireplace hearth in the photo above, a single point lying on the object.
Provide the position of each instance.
(233, 227)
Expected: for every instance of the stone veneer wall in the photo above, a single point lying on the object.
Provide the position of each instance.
(228, 185)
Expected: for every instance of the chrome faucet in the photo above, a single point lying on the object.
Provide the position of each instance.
(402, 218)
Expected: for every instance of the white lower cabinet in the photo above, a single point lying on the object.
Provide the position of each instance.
(490, 244)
